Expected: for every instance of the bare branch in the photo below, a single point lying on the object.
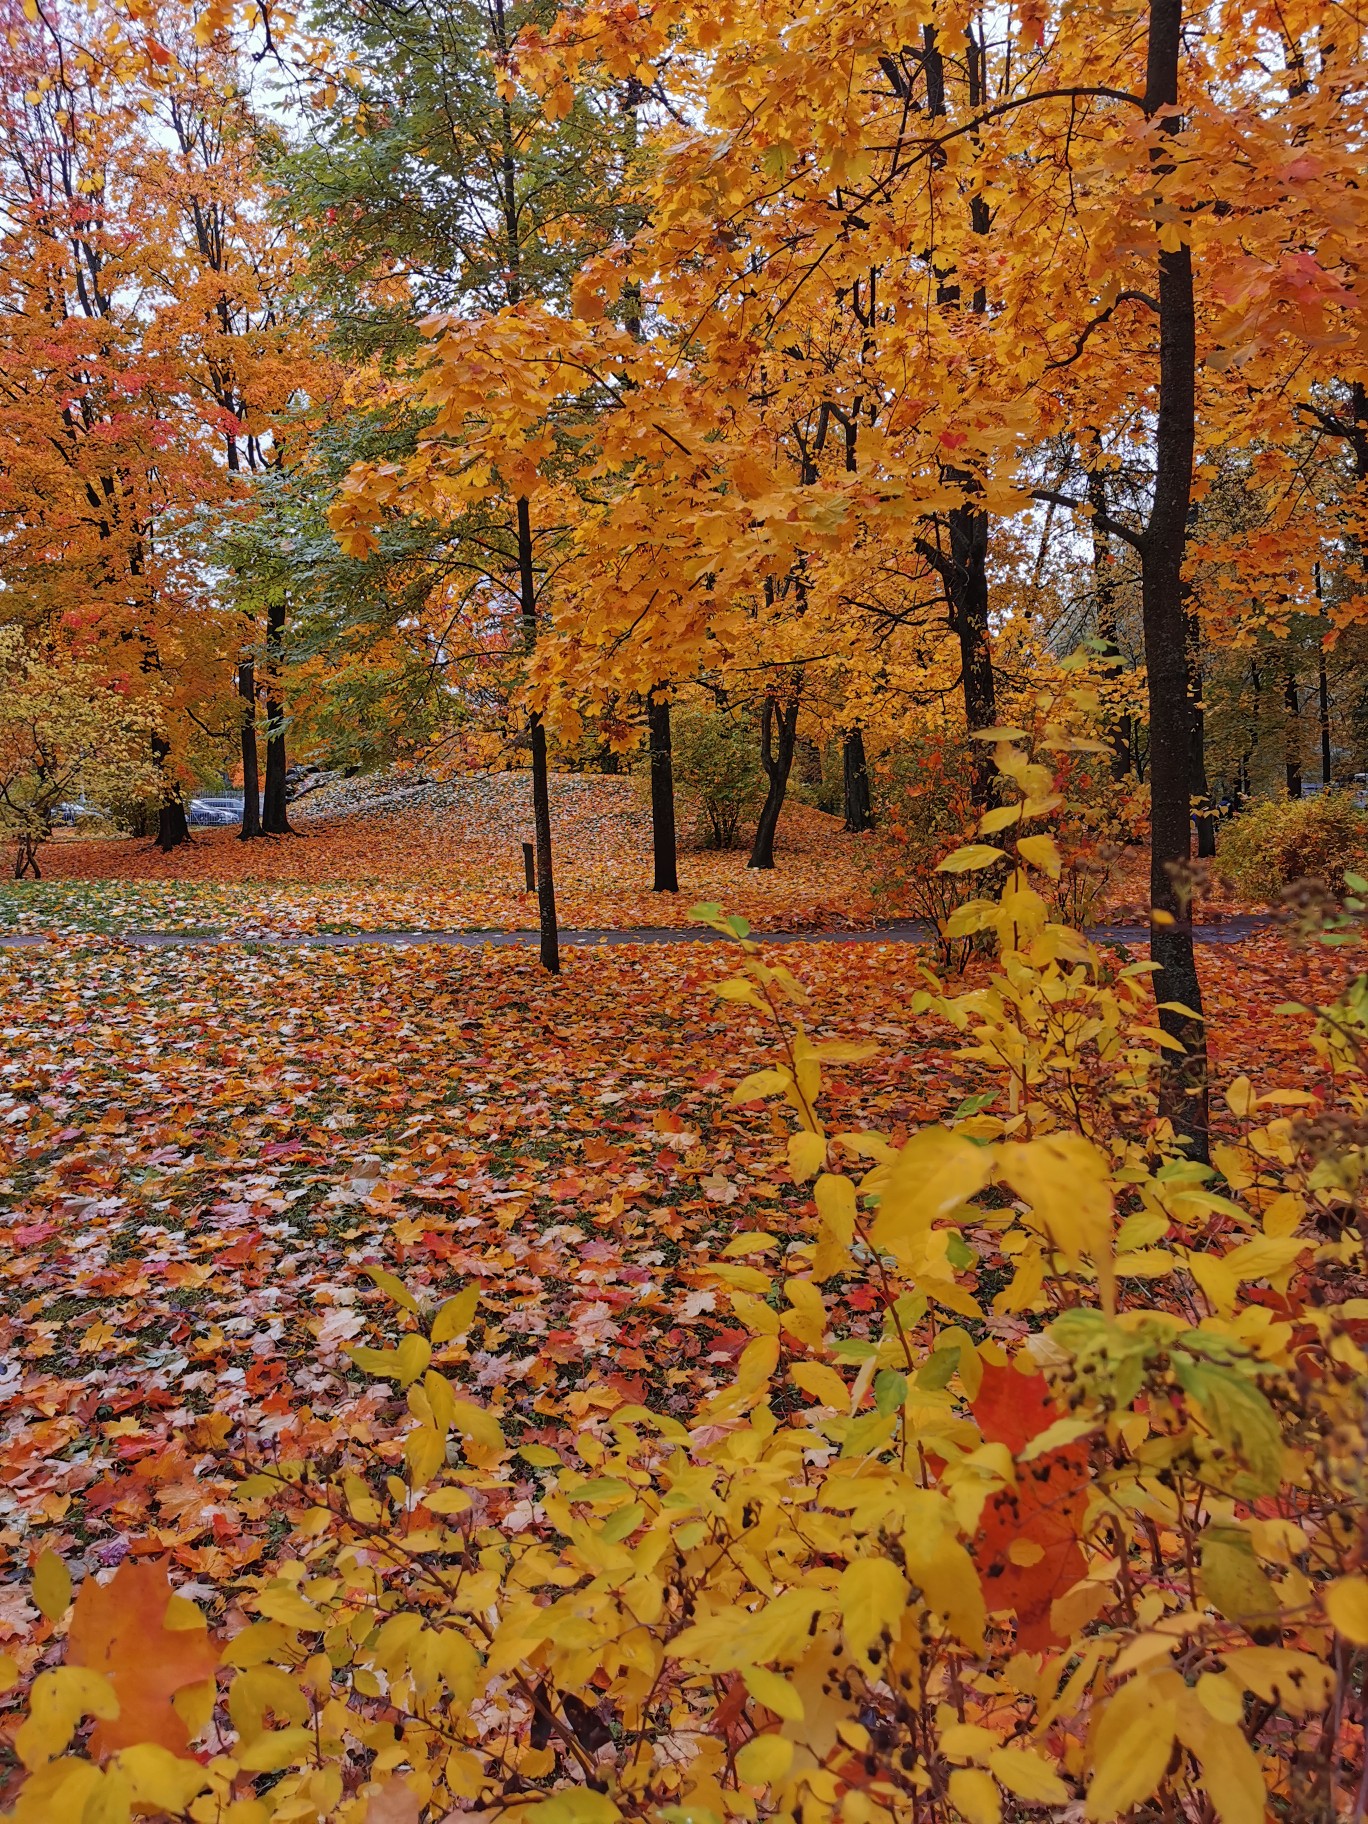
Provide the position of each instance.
(1122, 297)
(1114, 527)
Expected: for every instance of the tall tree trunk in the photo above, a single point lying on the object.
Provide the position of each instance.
(1292, 732)
(275, 819)
(549, 930)
(965, 576)
(541, 782)
(664, 847)
(1183, 1089)
(1104, 595)
(1323, 695)
(969, 622)
(527, 579)
(859, 808)
(1244, 781)
(777, 762)
(251, 783)
(173, 826)
(1323, 708)
(1199, 788)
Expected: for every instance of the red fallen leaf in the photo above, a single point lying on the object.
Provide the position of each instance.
(242, 1251)
(863, 1298)
(1013, 1408)
(728, 1718)
(119, 1628)
(102, 1496)
(1042, 1512)
(727, 1345)
(1039, 1519)
(632, 1387)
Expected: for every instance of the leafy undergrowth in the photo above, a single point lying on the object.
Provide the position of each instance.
(451, 859)
(204, 1149)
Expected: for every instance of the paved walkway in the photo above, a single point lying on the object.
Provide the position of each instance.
(909, 931)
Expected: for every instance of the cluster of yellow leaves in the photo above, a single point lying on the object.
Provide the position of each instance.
(64, 730)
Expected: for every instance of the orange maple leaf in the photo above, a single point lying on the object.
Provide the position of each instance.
(1027, 1544)
(119, 1628)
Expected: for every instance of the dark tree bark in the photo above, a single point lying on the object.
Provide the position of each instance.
(275, 819)
(173, 826)
(1244, 771)
(527, 579)
(251, 783)
(664, 846)
(1292, 733)
(1323, 708)
(777, 762)
(1104, 591)
(549, 945)
(859, 808)
(964, 569)
(541, 782)
(1323, 698)
(1183, 1089)
(969, 623)
(1199, 787)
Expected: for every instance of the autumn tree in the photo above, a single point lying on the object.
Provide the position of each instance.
(67, 732)
(436, 186)
(231, 302)
(94, 461)
(147, 352)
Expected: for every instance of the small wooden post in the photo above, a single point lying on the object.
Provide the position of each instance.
(530, 866)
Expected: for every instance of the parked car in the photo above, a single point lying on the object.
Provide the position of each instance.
(213, 813)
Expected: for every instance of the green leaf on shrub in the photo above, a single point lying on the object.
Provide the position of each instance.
(1238, 1416)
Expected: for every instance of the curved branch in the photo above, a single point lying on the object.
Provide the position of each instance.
(1114, 527)
(1122, 297)
(1081, 92)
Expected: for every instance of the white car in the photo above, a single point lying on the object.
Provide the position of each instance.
(211, 813)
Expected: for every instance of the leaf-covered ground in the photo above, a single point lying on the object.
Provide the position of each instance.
(204, 1148)
(378, 854)
(446, 857)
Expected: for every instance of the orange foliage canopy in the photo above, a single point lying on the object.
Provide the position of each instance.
(150, 351)
(872, 304)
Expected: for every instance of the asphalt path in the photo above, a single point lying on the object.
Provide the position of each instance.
(909, 931)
